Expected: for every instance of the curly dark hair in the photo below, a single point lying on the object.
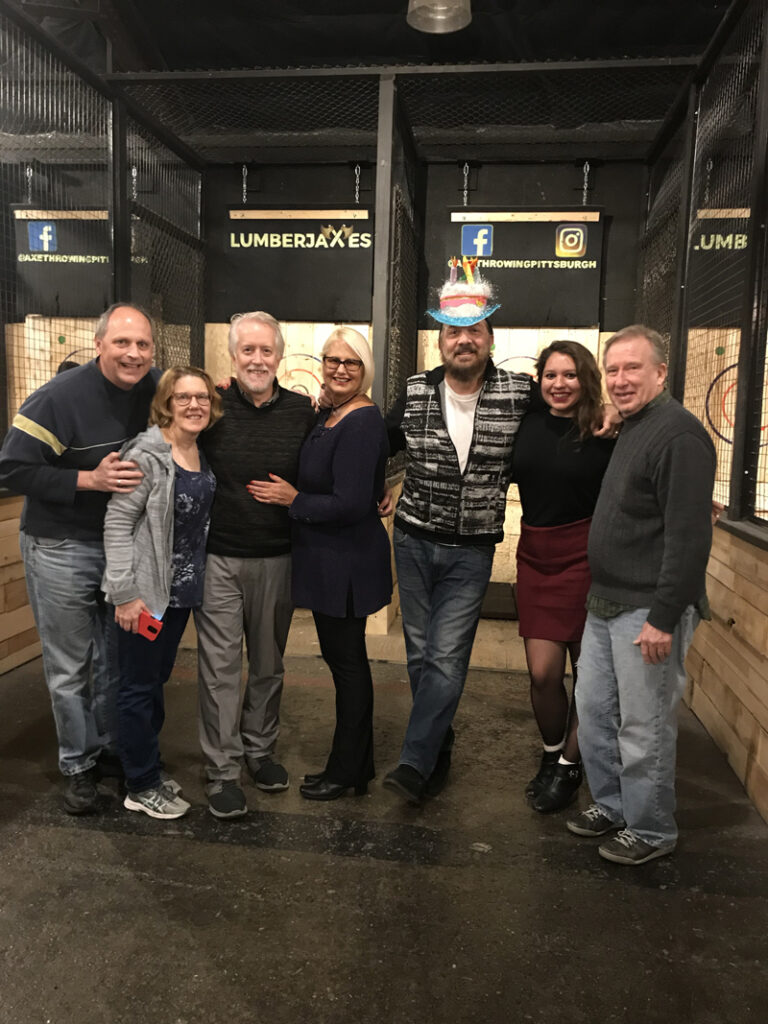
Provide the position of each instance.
(589, 410)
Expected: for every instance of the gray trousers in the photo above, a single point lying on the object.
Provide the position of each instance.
(251, 598)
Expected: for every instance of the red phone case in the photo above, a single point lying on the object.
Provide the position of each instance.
(149, 626)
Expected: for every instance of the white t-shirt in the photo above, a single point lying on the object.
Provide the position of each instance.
(460, 420)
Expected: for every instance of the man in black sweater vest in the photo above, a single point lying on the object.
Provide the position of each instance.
(248, 569)
(648, 549)
(62, 453)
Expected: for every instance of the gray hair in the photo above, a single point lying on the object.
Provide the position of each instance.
(258, 317)
(355, 340)
(102, 324)
(656, 341)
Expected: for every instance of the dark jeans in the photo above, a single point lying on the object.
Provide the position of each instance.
(342, 643)
(145, 666)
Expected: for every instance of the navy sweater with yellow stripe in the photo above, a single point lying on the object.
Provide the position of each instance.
(67, 425)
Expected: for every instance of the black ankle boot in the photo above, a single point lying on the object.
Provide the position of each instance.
(561, 789)
(544, 775)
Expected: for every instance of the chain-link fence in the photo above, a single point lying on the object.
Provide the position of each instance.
(712, 302)
(166, 251)
(717, 279)
(57, 208)
(55, 260)
(659, 255)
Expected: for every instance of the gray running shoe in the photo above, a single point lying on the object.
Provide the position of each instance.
(627, 848)
(157, 803)
(592, 823)
(171, 784)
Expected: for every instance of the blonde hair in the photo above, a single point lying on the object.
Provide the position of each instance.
(355, 340)
(160, 414)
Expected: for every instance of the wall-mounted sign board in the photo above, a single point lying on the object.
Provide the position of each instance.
(545, 264)
(298, 264)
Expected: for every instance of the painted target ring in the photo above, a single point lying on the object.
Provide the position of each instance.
(301, 373)
(719, 401)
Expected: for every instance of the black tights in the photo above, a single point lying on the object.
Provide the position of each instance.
(549, 697)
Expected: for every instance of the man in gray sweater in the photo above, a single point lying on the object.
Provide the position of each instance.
(648, 549)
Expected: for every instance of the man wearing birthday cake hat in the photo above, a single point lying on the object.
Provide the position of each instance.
(457, 424)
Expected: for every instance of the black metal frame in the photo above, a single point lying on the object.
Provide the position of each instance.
(393, 122)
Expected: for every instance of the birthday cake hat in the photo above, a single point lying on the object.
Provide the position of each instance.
(465, 298)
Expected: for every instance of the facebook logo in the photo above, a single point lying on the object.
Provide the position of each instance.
(477, 240)
(42, 236)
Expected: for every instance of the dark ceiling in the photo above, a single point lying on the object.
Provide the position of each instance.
(298, 80)
(198, 34)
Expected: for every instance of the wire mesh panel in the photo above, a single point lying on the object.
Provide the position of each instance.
(717, 274)
(659, 245)
(403, 328)
(560, 106)
(55, 260)
(226, 119)
(166, 252)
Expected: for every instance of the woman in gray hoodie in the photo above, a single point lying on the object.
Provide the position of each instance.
(154, 540)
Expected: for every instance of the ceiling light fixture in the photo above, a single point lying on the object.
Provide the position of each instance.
(439, 15)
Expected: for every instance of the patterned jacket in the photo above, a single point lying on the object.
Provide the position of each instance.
(439, 502)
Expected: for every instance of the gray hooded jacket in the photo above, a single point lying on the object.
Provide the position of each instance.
(138, 528)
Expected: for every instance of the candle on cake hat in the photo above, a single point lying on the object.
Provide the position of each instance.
(466, 298)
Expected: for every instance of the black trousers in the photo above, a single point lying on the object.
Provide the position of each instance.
(342, 643)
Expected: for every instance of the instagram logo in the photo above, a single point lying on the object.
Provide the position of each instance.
(570, 240)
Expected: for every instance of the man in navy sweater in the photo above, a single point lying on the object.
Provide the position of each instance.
(62, 453)
(648, 548)
(248, 569)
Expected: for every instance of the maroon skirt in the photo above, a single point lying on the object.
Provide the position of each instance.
(553, 580)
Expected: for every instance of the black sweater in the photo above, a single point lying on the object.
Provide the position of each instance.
(558, 474)
(248, 443)
(67, 425)
(652, 529)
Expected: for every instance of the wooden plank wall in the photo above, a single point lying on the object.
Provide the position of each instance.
(18, 636)
(728, 662)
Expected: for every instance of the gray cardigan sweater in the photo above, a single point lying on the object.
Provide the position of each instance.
(652, 528)
(138, 528)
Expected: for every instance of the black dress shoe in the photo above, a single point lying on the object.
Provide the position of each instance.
(560, 791)
(324, 789)
(313, 777)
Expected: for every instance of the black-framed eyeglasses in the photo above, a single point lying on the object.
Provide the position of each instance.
(182, 398)
(333, 363)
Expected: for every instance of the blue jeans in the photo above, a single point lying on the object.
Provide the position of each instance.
(441, 593)
(145, 667)
(77, 638)
(628, 722)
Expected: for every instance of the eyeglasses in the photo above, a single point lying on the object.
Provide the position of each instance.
(202, 397)
(333, 363)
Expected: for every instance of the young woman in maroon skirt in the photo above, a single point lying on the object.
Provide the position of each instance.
(558, 466)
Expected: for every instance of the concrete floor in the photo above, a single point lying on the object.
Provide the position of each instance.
(366, 911)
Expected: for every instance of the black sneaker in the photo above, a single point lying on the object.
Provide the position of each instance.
(80, 794)
(406, 781)
(561, 789)
(226, 800)
(268, 774)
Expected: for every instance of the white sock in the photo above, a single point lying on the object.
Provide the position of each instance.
(554, 749)
(562, 760)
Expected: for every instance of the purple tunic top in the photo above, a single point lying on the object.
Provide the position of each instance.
(339, 546)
